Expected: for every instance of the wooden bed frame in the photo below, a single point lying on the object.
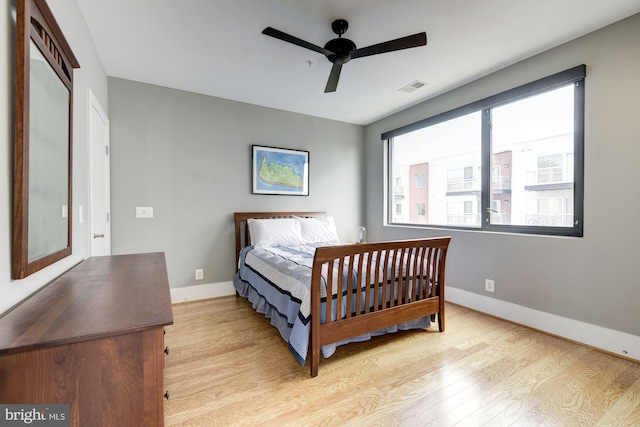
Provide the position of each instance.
(418, 300)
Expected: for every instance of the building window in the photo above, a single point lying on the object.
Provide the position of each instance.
(461, 179)
(550, 168)
(512, 162)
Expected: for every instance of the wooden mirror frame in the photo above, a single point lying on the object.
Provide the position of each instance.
(35, 23)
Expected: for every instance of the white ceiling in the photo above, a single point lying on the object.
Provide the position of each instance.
(215, 47)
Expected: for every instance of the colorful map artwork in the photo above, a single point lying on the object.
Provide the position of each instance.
(278, 169)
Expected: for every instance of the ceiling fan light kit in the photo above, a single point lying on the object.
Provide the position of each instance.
(341, 50)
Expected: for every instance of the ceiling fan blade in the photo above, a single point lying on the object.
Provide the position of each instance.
(332, 83)
(407, 42)
(294, 40)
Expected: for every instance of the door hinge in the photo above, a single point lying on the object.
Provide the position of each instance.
(106, 150)
(108, 216)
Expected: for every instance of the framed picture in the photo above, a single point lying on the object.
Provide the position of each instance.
(280, 171)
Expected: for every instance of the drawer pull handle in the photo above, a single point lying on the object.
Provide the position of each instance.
(166, 350)
(166, 394)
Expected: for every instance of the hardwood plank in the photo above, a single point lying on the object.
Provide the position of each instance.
(627, 406)
(228, 366)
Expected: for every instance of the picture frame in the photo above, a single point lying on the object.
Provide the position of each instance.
(280, 171)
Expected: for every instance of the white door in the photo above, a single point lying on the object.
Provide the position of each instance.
(100, 190)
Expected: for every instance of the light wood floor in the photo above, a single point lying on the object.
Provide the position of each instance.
(227, 366)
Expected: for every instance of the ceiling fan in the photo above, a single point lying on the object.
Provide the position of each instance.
(340, 50)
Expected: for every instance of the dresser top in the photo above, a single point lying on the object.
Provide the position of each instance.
(99, 297)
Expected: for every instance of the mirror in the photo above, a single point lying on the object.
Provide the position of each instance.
(48, 159)
(42, 152)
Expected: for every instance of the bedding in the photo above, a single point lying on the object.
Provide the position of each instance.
(275, 232)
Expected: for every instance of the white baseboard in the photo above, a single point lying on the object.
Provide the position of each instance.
(204, 291)
(609, 340)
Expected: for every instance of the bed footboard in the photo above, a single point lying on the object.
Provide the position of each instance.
(371, 286)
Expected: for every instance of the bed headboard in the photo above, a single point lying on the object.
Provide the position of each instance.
(242, 231)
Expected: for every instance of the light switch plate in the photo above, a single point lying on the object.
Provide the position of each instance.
(144, 212)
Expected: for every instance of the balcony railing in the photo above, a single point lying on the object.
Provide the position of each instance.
(500, 182)
(550, 175)
(469, 184)
(457, 219)
(550, 220)
(501, 218)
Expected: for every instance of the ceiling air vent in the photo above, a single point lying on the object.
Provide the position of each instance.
(412, 86)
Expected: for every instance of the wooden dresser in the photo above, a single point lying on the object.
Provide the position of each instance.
(92, 339)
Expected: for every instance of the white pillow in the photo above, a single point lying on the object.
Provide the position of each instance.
(274, 232)
(318, 229)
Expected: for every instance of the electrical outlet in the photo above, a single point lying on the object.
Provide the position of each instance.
(199, 274)
(489, 285)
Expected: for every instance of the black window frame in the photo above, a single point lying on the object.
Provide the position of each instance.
(576, 76)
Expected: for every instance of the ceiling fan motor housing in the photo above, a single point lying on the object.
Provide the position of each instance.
(341, 49)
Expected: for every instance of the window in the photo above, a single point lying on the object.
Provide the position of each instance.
(461, 179)
(550, 168)
(512, 162)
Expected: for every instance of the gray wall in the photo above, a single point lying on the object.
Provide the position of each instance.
(91, 75)
(596, 278)
(189, 156)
